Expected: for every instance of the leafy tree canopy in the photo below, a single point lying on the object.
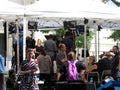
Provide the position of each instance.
(79, 41)
(115, 35)
(117, 2)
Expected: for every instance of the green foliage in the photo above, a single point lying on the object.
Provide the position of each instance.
(60, 32)
(117, 2)
(115, 35)
(79, 41)
(45, 31)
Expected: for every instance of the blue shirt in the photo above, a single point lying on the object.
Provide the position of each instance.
(2, 69)
(68, 44)
(114, 65)
(20, 46)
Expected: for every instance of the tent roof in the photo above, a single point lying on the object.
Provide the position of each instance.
(71, 8)
(57, 10)
(105, 15)
(7, 7)
(23, 2)
(10, 10)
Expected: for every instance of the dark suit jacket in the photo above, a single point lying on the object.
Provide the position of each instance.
(104, 64)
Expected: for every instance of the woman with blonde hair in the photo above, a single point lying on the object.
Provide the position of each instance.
(27, 72)
(38, 48)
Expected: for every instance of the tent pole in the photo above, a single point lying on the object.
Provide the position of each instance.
(96, 45)
(17, 68)
(85, 39)
(24, 36)
(85, 58)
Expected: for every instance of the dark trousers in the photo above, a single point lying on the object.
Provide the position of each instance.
(1, 81)
(46, 78)
(53, 58)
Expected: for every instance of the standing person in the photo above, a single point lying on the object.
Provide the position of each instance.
(38, 48)
(68, 42)
(1, 73)
(51, 49)
(44, 64)
(115, 64)
(18, 51)
(27, 72)
(20, 48)
(61, 56)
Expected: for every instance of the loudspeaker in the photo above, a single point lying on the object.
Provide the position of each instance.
(12, 27)
(69, 24)
(79, 29)
(32, 25)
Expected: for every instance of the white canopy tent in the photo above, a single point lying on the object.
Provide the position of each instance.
(73, 8)
(57, 9)
(10, 10)
(93, 10)
(7, 7)
(60, 9)
(105, 15)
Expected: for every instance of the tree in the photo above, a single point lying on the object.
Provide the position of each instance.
(79, 41)
(115, 35)
(117, 2)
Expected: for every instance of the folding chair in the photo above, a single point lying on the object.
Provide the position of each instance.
(95, 76)
(105, 73)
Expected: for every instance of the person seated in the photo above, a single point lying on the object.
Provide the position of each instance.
(91, 61)
(92, 65)
(105, 62)
(81, 71)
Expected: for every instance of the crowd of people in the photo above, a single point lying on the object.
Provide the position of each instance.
(39, 62)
